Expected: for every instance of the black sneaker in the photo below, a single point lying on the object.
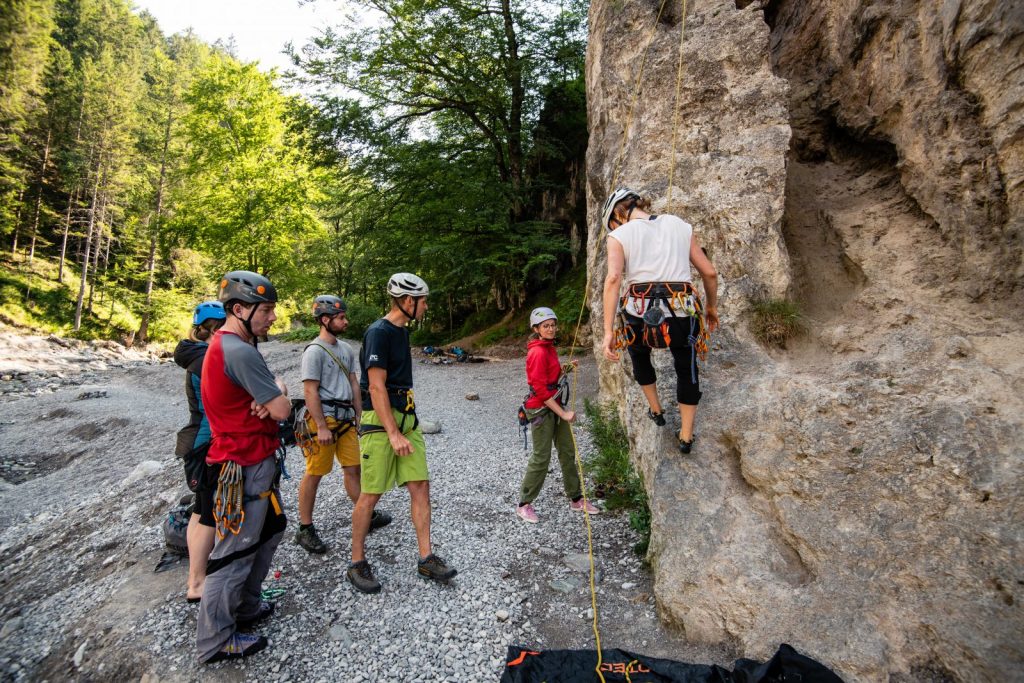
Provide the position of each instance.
(239, 645)
(658, 418)
(265, 610)
(685, 446)
(360, 575)
(309, 539)
(433, 567)
(379, 519)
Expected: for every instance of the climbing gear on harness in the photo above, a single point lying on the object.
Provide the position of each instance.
(539, 315)
(619, 195)
(327, 304)
(657, 418)
(230, 500)
(647, 305)
(208, 310)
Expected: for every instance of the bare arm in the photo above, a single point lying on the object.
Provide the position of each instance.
(709, 276)
(610, 297)
(311, 392)
(357, 397)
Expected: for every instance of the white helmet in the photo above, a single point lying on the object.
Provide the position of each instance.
(407, 284)
(613, 199)
(541, 314)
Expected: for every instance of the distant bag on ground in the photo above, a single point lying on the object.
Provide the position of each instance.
(176, 525)
(579, 666)
(194, 463)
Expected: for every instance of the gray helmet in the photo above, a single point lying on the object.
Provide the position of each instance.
(407, 284)
(541, 314)
(613, 199)
(247, 287)
(327, 304)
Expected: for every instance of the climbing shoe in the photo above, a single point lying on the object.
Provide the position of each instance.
(379, 519)
(657, 418)
(584, 506)
(527, 513)
(433, 567)
(685, 446)
(360, 575)
(309, 539)
(239, 645)
(264, 611)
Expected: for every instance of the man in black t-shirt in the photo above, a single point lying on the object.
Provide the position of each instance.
(391, 446)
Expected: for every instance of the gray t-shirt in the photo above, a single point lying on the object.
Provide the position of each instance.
(248, 369)
(318, 365)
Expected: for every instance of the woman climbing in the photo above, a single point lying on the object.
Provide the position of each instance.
(549, 420)
(660, 308)
(189, 354)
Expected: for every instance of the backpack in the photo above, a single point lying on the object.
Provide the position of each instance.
(176, 524)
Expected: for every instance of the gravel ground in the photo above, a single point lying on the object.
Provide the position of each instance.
(80, 520)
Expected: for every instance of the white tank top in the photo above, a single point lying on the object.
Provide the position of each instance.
(656, 250)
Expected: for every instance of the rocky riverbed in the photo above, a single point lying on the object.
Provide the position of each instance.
(88, 475)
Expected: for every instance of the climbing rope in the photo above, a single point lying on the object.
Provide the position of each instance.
(229, 510)
(586, 292)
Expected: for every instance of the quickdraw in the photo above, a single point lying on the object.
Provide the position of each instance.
(678, 297)
(229, 509)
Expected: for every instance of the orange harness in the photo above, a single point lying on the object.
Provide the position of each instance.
(654, 329)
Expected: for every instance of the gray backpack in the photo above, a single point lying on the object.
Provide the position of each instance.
(176, 525)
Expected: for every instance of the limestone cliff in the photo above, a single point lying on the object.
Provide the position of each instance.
(859, 494)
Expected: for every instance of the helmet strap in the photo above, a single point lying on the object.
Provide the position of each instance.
(410, 316)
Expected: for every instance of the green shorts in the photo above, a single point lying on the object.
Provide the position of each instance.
(381, 469)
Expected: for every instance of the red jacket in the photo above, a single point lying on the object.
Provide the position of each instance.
(542, 371)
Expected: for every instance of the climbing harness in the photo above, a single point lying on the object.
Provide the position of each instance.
(646, 306)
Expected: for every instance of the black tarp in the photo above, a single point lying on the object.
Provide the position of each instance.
(579, 666)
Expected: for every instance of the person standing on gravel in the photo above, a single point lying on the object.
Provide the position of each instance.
(549, 420)
(333, 410)
(244, 403)
(660, 307)
(390, 440)
(194, 438)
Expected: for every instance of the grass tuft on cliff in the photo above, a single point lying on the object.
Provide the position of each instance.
(776, 322)
(613, 474)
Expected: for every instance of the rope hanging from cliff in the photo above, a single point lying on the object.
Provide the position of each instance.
(586, 291)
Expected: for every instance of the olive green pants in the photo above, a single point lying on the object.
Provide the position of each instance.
(547, 429)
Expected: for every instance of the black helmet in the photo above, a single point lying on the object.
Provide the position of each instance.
(326, 304)
(247, 287)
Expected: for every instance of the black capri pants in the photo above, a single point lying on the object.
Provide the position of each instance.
(684, 359)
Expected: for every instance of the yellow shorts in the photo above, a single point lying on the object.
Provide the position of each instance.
(320, 457)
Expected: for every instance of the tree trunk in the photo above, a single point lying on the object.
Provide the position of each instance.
(39, 198)
(17, 224)
(515, 123)
(85, 259)
(72, 200)
(96, 249)
(155, 232)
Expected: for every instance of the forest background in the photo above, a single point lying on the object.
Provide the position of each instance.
(444, 137)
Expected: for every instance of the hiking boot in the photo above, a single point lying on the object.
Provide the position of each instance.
(582, 505)
(239, 645)
(379, 519)
(527, 513)
(360, 575)
(657, 418)
(309, 539)
(433, 567)
(685, 446)
(264, 611)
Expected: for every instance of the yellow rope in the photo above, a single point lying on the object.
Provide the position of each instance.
(586, 297)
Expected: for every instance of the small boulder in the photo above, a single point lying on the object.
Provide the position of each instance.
(472, 397)
(144, 470)
(430, 426)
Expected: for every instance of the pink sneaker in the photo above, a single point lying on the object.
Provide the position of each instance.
(527, 513)
(582, 505)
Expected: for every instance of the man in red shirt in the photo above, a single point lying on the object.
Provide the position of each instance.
(243, 403)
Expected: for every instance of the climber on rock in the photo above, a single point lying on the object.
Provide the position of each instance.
(660, 307)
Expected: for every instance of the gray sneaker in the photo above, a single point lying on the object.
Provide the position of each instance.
(433, 567)
(310, 540)
(360, 575)
(379, 519)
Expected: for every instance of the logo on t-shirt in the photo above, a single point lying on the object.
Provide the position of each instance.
(373, 356)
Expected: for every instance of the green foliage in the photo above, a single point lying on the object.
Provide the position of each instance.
(614, 474)
(776, 321)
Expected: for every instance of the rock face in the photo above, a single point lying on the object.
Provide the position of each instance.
(859, 494)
